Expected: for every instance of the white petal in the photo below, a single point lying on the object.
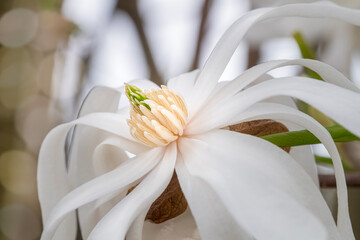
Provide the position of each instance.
(107, 156)
(305, 157)
(280, 112)
(136, 229)
(182, 227)
(327, 72)
(225, 48)
(261, 185)
(122, 176)
(337, 103)
(213, 219)
(85, 141)
(116, 223)
(219, 58)
(104, 160)
(98, 99)
(302, 154)
(52, 177)
(184, 84)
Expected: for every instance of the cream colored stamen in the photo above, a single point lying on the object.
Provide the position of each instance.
(159, 118)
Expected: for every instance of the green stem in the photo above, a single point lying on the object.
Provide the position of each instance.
(306, 52)
(320, 159)
(304, 137)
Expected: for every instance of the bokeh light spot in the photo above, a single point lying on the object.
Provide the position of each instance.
(18, 27)
(18, 171)
(34, 119)
(18, 222)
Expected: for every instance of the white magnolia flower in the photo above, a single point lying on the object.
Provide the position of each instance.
(237, 186)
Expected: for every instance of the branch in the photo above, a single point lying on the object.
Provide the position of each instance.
(329, 181)
(130, 7)
(253, 56)
(202, 31)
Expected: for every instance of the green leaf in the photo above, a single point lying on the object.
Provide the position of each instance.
(307, 52)
(49, 4)
(320, 159)
(304, 137)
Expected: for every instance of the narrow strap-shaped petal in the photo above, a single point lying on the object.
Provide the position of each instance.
(264, 189)
(136, 229)
(226, 46)
(280, 112)
(305, 157)
(116, 223)
(84, 141)
(179, 228)
(184, 85)
(99, 98)
(117, 145)
(108, 155)
(302, 154)
(213, 219)
(219, 58)
(52, 176)
(122, 176)
(336, 102)
(327, 72)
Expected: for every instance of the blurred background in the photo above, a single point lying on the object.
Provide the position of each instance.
(53, 52)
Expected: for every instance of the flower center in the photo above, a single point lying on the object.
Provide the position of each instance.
(157, 117)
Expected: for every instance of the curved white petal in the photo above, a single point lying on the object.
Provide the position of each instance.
(225, 48)
(336, 102)
(103, 161)
(136, 229)
(108, 155)
(213, 219)
(51, 166)
(98, 99)
(302, 154)
(219, 58)
(115, 224)
(180, 228)
(261, 186)
(92, 138)
(84, 139)
(114, 180)
(280, 112)
(327, 72)
(184, 84)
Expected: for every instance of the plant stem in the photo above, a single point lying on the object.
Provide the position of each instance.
(306, 52)
(304, 137)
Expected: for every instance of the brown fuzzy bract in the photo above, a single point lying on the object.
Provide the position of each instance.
(260, 128)
(170, 204)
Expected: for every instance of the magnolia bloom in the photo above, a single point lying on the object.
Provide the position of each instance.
(237, 186)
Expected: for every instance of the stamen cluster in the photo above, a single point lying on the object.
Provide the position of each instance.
(157, 117)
